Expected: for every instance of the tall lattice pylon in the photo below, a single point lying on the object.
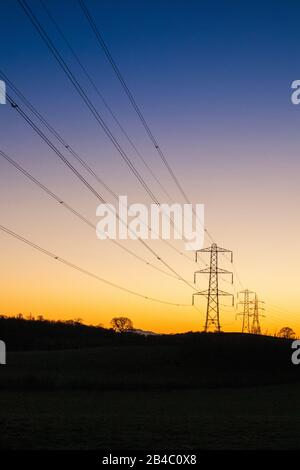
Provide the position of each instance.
(213, 292)
(246, 313)
(255, 328)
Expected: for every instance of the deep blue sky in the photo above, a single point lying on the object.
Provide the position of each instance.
(201, 60)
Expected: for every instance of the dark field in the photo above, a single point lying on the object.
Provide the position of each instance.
(226, 391)
(169, 362)
(249, 418)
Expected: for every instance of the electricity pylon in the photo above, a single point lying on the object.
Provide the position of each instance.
(213, 292)
(255, 328)
(246, 313)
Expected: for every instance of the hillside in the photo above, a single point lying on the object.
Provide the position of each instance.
(208, 391)
(45, 356)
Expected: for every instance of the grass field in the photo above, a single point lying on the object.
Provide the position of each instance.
(163, 363)
(194, 392)
(245, 418)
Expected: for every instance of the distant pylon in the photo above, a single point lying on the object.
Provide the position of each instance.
(213, 292)
(246, 313)
(255, 328)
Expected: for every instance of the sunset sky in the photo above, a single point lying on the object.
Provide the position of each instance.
(213, 81)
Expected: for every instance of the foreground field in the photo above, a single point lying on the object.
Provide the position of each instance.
(247, 418)
(130, 363)
(191, 391)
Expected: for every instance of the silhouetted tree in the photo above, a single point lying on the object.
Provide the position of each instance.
(286, 332)
(24, 334)
(121, 324)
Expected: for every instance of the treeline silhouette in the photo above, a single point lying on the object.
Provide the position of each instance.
(37, 333)
(31, 333)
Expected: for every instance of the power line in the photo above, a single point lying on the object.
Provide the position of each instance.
(290, 315)
(69, 148)
(135, 106)
(29, 13)
(105, 103)
(158, 148)
(87, 184)
(130, 96)
(57, 135)
(84, 271)
(45, 37)
(293, 317)
(64, 204)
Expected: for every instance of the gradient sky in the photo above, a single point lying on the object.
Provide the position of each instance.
(213, 81)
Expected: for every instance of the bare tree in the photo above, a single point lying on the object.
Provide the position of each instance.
(121, 324)
(287, 333)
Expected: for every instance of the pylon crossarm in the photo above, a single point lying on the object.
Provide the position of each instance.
(205, 293)
(224, 250)
(223, 271)
(221, 292)
(202, 292)
(204, 271)
(204, 250)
